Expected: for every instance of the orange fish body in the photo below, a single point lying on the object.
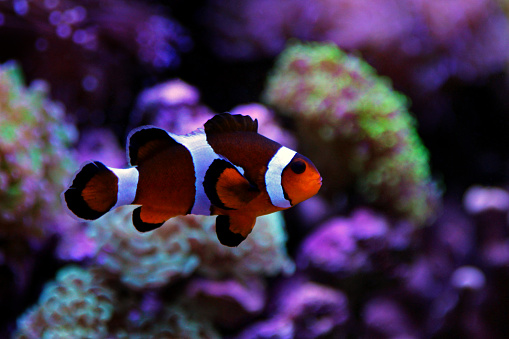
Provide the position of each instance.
(227, 169)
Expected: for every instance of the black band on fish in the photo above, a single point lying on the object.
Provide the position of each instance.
(75, 197)
(146, 141)
(225, 236)
(210, 182)
(142, 226)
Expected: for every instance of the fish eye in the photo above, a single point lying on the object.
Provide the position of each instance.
(298, 167)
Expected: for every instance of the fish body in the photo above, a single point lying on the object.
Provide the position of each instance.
(226, 169)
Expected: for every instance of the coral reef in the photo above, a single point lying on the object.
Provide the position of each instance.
(75, 305)
(34, 156)
(348, 263)
(182, 246)
(81, 304)
(358, 127)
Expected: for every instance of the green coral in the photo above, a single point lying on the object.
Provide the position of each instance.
(182, 246)
(75, 305)
(34, 155)
(356, 126)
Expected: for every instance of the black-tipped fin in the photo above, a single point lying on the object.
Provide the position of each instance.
(225, 122)
(226, 187)
(93, 191)
(232, 230)
(149, 223)
(146, 141)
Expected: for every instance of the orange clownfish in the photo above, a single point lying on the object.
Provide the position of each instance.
(226, 169)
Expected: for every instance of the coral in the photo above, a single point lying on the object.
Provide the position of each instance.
(102, 145)
(342, 247)
(356, 126)
(385, 318)
(75, 305)
(303, 310)
(262, 253)
(490, 208)
(182, 246)
(34, 156)
(173, 105)
(229, 303)
(81, 304)
(176, 107)
(423, 43)
(104, 49)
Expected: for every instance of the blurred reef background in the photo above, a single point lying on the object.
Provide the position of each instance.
(402, 105)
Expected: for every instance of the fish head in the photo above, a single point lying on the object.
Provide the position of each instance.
(300, 179)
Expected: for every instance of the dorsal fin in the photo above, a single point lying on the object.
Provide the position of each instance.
(225, 122)
(147, 141)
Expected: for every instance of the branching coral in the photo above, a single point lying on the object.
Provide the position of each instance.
(356, 126)
(75, 305)
(182, 246)
(34, 157)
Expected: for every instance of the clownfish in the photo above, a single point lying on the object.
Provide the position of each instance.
(225, 169)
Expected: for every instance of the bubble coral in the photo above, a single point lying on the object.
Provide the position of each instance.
(182, 246)
(356, 126)
(34, 156)
(75, 305)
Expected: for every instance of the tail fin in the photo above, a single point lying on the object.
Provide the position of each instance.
(95, 190)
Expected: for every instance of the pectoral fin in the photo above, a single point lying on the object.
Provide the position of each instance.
(226, 187)
(231, 230)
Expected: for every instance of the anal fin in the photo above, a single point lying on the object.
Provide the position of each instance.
(144, 221)
(231, 230)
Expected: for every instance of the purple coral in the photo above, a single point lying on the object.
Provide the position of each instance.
(303, 310)
(342, 247)
(229, 303)
(173, 105)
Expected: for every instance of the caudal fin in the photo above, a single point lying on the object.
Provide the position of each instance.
(93, 192)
